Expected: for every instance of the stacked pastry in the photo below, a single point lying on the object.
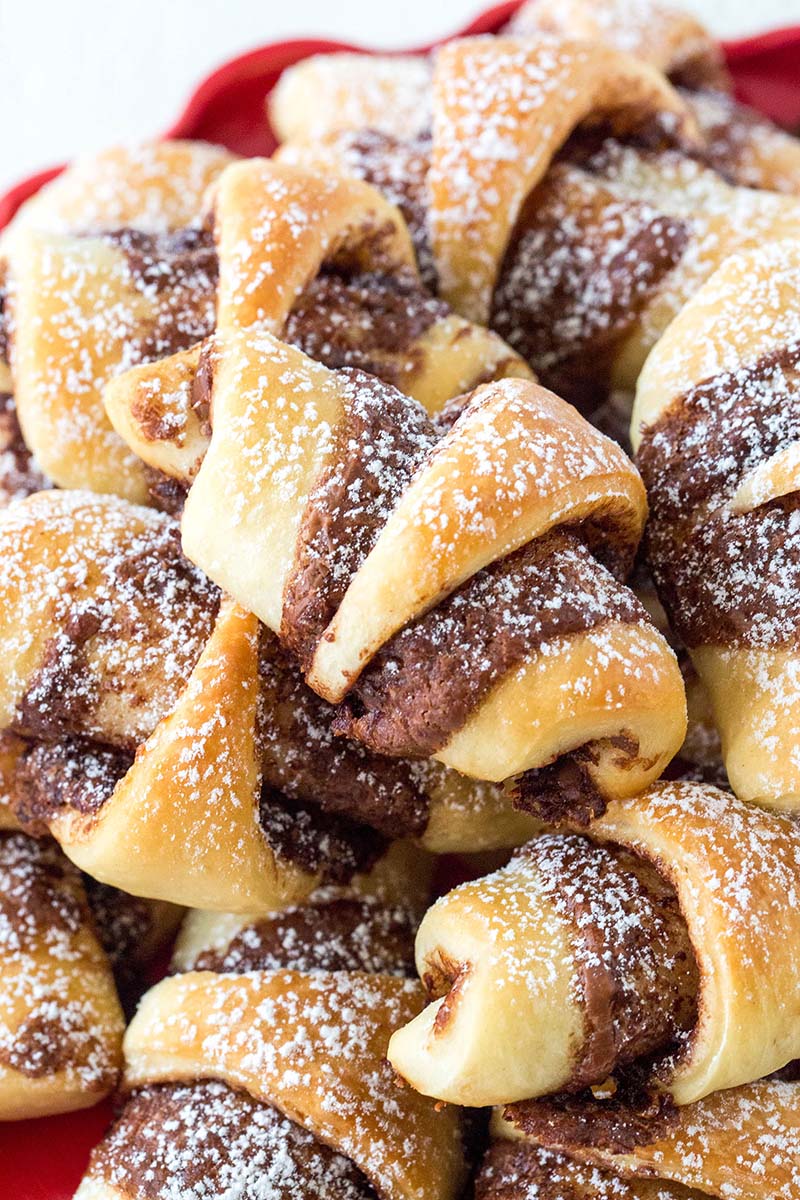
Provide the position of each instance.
(310, 571)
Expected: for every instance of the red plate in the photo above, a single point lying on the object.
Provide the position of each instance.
(44, 1160)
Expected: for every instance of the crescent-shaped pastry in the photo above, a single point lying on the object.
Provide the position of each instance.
(582, 259)
(661, 941)
(513, 470)
(326, 264)
(138, 695)
(60, 1021)
(73, 305)
(265, 1064)
(739, 142)
(740, 1144)
(716, 426)
(170, 746)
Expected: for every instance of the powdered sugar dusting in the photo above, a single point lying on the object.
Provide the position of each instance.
(46, 1025)
(116, 617)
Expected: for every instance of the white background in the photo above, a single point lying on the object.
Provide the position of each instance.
(80, 74)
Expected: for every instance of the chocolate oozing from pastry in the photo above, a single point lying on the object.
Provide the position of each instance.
(168, 495)
(580, 267)
(423, 684)
(302, 758)
(563, 790)
(179, 272)
(383, 439)
(150, 615)
(726, 577)
(639, 979)
(202, 1139)
(317, 841)
(19, 475)
(41, 901)
(72, 773)
(125, 925)
(329, 933)
(519, 1171)
(629, 1118)
(369, 321)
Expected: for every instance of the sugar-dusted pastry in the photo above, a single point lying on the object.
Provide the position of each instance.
(60, 1021)
(378, 604)
(88, 307)
(657, 946)
(740, 1144)
(716, 427)
(80, 279)
(262, 1067)
(171, 746)
(742, 144)
(578, 250)
(351, 91)
(154, 187)
(137, 692)
(327, 264)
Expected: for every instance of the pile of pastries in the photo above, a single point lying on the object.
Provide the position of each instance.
(429, 489)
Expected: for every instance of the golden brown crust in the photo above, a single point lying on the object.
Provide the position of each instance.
(716, 407)
(60, 1021)
(513, 961)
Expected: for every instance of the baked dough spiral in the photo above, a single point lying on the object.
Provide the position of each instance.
(740, 143)
(61, 1024)
(579, 249)
(714, 428)
(79, 301)
(514, 470)
(660, 941)
(170, 745)
(272, 1041)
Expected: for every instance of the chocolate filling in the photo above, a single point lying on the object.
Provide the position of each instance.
(168, 494)
(580, 267)
(315, 841)
(203, 386)
(725, 577)
(69, 774)
(519, 1171)
(19, 475)
(301, 756)
(151, 613)
(381, 441)
(62, 692)
(619, 1124)
(563, 790)
(205, 1139)
(398, 168)
(367, 321)
(425, 682)
(41, 902)
(125, 925)
(336, 934)
(179, 272)
(639, 979)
